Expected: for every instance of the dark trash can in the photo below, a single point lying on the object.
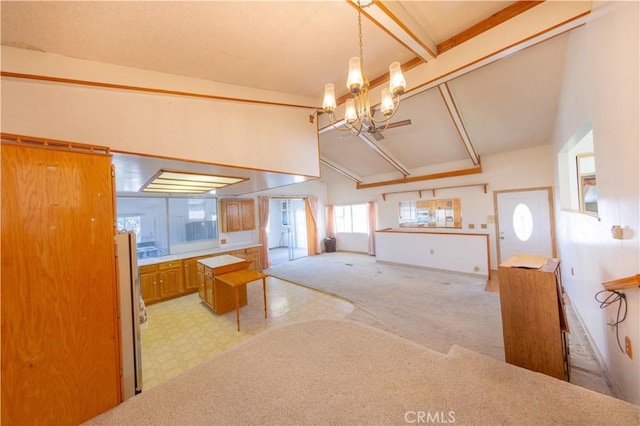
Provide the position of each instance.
(330, 245)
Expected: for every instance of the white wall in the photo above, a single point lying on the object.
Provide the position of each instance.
(528, 168)
(601, 84)
(164, 125)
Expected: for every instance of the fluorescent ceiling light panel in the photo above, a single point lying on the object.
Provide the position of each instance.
(168, 181)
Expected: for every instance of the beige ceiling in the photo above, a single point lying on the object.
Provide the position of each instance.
(295, 47)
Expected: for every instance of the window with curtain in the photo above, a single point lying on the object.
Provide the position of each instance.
(352, 218)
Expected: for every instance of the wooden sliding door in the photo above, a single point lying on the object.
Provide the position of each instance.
(60, 336)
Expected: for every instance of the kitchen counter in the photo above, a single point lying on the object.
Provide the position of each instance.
(186, 255)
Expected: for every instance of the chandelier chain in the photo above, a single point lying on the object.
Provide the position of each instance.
(360, 38)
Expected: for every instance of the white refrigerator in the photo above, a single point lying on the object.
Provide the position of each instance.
(130, 313)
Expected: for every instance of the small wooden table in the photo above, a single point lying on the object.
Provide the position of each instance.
(237, 279)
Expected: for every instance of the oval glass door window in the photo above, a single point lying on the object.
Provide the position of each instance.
(522, 222)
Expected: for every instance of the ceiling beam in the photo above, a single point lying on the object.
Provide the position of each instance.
(340, 169)
(441, 175)
(528, 28)
(384, 153)
(395, 20)
(486, 24)
(457, 120)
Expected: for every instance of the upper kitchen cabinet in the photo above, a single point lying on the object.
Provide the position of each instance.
(237, 214)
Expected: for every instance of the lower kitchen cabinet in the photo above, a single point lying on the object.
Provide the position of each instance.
(170, 274)
(190, 267)
(163, 281)
(160, 281)
(149, 284)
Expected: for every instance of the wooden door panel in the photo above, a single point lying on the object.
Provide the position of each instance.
(60, 349)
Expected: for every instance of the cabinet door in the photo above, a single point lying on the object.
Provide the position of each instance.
(149, 286)
(248, 215)
(190, 274)
(60, 355)
(233, 216)
(170, 282)
(208, 287)
(201, 292)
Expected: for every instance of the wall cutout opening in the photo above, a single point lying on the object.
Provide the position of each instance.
(577, 172)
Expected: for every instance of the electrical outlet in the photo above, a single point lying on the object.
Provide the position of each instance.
(431, 251)
(627, 345)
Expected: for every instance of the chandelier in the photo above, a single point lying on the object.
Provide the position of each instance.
(358, 114)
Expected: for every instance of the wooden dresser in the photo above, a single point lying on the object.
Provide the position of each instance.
(534, 321)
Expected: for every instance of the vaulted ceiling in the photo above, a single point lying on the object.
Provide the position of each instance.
(464, 100)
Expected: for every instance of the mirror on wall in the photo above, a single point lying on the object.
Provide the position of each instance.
(439, 213)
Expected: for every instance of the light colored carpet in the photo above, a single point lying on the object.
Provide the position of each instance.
(433, 308)
(327, 372)
(436, 309)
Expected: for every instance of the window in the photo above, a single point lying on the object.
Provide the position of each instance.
(352, 218)
(522, 222)
(168, 225)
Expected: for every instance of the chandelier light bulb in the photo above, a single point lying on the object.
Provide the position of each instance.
(350, 114)
(397, 83)
(386, 105)
(355, 80)
(329, 102)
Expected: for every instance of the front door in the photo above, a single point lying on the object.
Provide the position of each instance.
(525, 223)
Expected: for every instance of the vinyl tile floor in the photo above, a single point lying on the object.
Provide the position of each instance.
(183, 332)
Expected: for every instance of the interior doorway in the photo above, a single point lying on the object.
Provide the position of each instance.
(287, 230)
(525, 222)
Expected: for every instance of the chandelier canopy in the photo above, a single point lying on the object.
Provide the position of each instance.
(359, 115)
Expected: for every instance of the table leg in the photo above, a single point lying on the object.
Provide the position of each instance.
(264, 294)
(235, 289)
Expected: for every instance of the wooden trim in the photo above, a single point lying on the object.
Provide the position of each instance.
(496, 55)
(22, 139)
(433, 190)
(442, 175)
(146, 89)
(400, 231)
(623, 283)
(486, 24)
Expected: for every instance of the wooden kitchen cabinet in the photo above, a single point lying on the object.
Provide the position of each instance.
(252, 255)
(237, 215)
(149, 284)
(534, 320)
(190, 280)
(170, 276)
(160, 281)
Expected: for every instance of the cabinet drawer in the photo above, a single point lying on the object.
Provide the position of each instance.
(170, 265)
(148, 269)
